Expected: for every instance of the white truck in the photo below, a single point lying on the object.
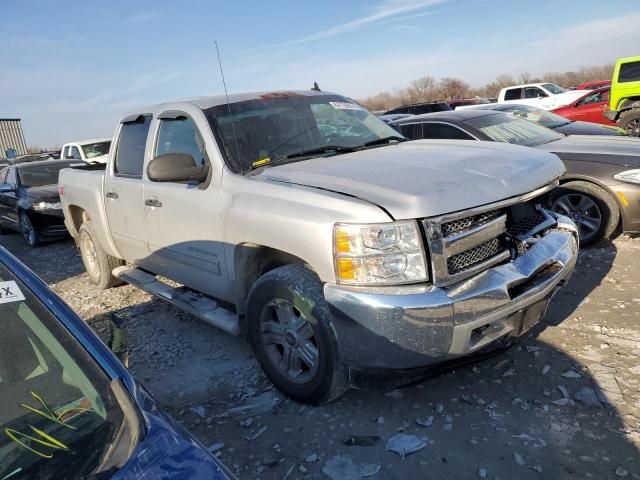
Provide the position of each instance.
(546, 96)
(94, 150)
(303, 222)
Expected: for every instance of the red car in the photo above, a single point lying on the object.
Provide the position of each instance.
(594, 85)
(588, 108)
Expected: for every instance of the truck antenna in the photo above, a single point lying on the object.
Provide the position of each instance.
(233, 128)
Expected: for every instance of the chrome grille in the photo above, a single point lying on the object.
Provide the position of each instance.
(481, 253)
(525, 224)
(465, 223)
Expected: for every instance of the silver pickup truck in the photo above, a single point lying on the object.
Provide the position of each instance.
(303, 222)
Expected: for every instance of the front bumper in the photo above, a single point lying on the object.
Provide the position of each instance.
(414, 326)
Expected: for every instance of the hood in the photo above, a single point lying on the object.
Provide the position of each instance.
(588, 128)
(597, 148)
(426, 178)
(562, 99)
(45, 193)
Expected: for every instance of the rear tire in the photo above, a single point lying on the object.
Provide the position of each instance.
(28, 230)
(96, 262)
(592, 208)
(629, 121)
(289, 329)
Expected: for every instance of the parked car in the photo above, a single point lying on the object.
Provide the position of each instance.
(601, 187)
(31, 157)
(624, 104)
(304, 212)
(29, 200)
(589, 108)
(393, 117)
(554, 121)
(69, 407)
(594, 85)
(420, 108)
(467, 102)
(93, 150)
(542, 95)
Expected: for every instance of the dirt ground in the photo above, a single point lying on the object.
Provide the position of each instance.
(563, 403)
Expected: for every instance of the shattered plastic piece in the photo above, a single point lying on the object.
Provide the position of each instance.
(311, 458)
(341, 467)
(537, 468)
(519, 459)
(588, 396)
(425, 422)
(258, 433)
(571, 374)
(405, 444)
(546, 369)
(501, 364)
(563, 391)
(215, 447)
(199, 410)
(621, 472)
(302, 469)
(369, 469)
(562, 401)
(361, 440)
(509, 373)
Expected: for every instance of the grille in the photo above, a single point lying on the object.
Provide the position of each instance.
(484, 251)
(525, 225)
(456, 226)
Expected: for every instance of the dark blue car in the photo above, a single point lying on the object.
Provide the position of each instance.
(68, 407)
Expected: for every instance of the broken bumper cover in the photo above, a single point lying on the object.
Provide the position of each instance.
(414, 326)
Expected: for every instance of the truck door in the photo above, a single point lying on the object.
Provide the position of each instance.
(123, 189)
(183, 220)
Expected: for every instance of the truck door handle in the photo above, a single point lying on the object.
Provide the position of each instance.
(113, 195)
(150, 202)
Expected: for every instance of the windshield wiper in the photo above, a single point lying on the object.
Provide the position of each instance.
(319, 150)
(381, 141)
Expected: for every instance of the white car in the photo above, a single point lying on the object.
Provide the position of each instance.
(542, 95)
(92, 150)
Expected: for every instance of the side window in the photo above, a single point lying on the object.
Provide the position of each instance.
(65, 153)
(12, 177)
(131, 146)
(180, 135)
(534, 92)
(3, 175)
(439, 130)
(513, 94)
(75, 153)
(409, 131)
(590, 99)
(629, 72)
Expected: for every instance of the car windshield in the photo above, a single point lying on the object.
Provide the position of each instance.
(59, 416)
(40, 175)
(276, 126)
(96, 149)
(553, 88)
(506, 128)
(537, 115)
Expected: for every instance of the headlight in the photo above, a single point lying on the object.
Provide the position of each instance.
(628, 176)
(383, 253)
(40, 206)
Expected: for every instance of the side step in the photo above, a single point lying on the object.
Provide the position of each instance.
(183, 298)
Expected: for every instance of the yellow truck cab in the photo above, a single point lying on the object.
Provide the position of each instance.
(624, 106)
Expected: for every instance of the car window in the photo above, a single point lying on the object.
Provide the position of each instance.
(629, 72)
(131, 146)
(594, 98)
(534, 92)
(440, 130)
(12, 176)
(59, 416)
(408, 130)
(92, 150)
(40, 175)
(180, 135)
(75, 153)
(65, 152)
(513, 94)
(553, 88)
(506, 128)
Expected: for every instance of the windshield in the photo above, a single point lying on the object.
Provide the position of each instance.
(58, 415)
(37, 176)
(96, 149)
(537, 115)
(553, 88)
(277, 126)
(506, 128)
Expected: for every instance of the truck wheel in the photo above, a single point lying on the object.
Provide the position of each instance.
(29, 232)
(594, 211)
(288, 325)
(629, 121)
(96, 262)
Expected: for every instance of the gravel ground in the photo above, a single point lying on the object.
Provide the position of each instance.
(563, 403)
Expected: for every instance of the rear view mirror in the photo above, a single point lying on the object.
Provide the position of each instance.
(176, 167)
(7, 188)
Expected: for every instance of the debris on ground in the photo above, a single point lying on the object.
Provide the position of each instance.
(404, 444)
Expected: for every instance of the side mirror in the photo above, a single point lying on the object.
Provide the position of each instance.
(176, 167)
(7, 188)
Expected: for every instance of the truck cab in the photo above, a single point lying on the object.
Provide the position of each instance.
(624, 105)
(94, 150)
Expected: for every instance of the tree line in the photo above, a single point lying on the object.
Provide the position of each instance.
(427, 88)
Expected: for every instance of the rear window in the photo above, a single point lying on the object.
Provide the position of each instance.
(508, 129)
(513, 94)
(40, 175)
(131, 147)
(59, 416)
(629, 72)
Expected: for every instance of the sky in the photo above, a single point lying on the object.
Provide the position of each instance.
(70, 69)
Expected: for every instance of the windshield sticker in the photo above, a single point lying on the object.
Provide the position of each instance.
(259, 163)
(345, 106)
(9, 292)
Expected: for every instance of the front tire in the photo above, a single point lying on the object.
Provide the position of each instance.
(594, 211)
(96, 262)
(29, 232)
(629, 121)
(288, 325)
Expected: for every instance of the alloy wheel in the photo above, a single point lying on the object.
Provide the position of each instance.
(27, 229)
(91, 257)
(582, 210)
(289, 341)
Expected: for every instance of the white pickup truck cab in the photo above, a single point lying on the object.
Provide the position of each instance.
(303, 222)
(546, 96)
(94, 150)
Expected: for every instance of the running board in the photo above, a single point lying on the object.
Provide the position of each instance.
(183, 298)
